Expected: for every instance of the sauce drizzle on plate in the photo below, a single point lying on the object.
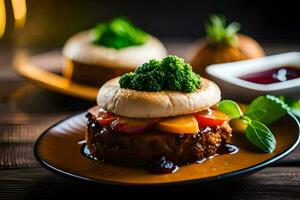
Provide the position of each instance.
(164, 166)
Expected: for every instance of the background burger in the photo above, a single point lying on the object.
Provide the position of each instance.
(109, 50)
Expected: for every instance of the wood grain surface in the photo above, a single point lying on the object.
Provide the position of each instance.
(38, 183)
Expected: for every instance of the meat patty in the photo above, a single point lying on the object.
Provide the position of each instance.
(143, 149)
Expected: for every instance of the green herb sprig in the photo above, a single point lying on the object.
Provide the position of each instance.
(262, 111)
(217, 31)
(118, 33)
(294, 105)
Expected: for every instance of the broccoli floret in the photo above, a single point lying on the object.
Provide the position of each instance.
(141, 82)
(126, 79)
(172, 73)
(148, 67)
(118, 33)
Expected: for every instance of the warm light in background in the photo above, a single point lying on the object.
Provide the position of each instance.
(19, 9)
(2, 18)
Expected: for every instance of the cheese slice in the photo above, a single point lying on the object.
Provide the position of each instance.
(180, 124)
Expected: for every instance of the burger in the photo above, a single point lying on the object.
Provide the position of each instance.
(108, 50)
(159, 117)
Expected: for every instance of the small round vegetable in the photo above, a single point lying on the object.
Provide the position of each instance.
(210, 118)
(223, 44)
(238, 125)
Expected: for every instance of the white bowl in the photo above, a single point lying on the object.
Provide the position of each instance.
(226, 76)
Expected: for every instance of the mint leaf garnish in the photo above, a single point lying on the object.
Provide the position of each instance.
(266, 109)
(231, 108)
(294, 105)
(295, 108)
(262, 111)
(261, 136)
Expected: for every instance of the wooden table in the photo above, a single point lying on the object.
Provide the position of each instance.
(27, 110)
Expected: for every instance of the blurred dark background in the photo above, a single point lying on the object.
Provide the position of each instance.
(51, 22)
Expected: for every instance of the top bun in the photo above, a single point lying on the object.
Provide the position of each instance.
(80, 48)
(144, 104)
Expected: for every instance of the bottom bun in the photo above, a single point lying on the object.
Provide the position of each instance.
(91, 74)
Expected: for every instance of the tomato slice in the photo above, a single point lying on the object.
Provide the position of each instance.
(102, 116)
(132, 125)
(105, 118)
(109, 118)
(210, 118)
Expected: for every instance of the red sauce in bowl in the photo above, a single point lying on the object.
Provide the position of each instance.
(274, 75)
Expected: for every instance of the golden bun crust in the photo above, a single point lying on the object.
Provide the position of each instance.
(141, 104)
(81, 49)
